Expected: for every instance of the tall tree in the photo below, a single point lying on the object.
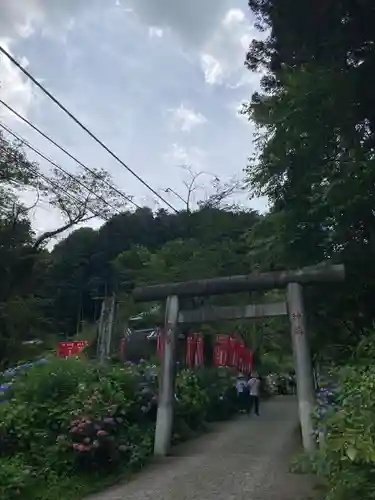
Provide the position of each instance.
(315, 144)
(24, 261)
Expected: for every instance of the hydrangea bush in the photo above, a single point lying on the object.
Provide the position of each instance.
(328, 399)
(346, 414)
(73, 420)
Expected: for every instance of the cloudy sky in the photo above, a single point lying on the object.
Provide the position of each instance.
(159, 81)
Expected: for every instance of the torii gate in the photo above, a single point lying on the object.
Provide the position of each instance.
(291, 280)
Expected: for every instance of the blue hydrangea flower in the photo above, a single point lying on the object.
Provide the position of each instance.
(42, 362)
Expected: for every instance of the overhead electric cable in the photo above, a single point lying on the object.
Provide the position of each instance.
(54, 164)
(65, 151)
(55, 185)
(86, 129)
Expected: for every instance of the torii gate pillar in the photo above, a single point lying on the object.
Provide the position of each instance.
(303, 365)
(164, 420)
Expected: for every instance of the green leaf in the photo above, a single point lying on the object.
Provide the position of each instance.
(351, 453)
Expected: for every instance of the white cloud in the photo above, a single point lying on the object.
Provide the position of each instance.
(193, 20)
(182, 155)
(186, 119)
(223, 56)
(217, 32)
(21, 18)
(18, 18)
(212, 69)
(233, 16)
(15, 89)
(154, 32)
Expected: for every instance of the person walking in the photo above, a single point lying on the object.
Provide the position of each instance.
(254, 392)
(242, 393)
(292, 383)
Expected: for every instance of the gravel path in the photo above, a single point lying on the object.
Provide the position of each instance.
(244, 459)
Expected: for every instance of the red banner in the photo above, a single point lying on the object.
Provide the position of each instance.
(221, 350)
(230, 351)
(67, 349)
(190, 350)
(233, 352)
(199, 353)
(122, 349)
(248, 360)
(245, 359)
(160, 344)
(194, 350)
(241, 356)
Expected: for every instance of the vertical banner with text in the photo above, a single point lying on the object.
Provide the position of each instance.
(199, 353)
(190, 350)
(221, 350)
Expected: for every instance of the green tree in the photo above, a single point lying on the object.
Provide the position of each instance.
(314, 157)
(78, 197)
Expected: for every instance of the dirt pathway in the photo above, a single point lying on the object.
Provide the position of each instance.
(245, 459)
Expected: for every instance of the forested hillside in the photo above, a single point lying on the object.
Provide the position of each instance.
(48, 293)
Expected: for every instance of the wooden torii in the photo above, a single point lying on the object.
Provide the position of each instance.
(292, 280)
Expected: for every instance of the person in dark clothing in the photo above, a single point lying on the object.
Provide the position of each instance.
(292, 383)
(242, 394)
(254, 393)
(282, 387)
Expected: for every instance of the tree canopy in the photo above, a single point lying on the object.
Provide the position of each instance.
(314, 154)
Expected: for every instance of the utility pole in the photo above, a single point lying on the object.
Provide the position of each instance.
(106, 326)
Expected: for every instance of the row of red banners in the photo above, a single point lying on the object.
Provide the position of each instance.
(194, 349)
(232, 352)
(229, 351)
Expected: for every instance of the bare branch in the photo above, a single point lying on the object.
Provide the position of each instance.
(191, 183)
(222, 192)
(78, 197)
(47, 235)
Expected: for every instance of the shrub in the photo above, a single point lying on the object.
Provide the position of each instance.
(75, 419)
(59, 405)
(220, 389)
(192, 400)
(347, 461)
(16, 478)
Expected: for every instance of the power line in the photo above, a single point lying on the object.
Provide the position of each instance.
(88, 169)
(87, 130)
(39, 153)
(54, 164)
(54, 184)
